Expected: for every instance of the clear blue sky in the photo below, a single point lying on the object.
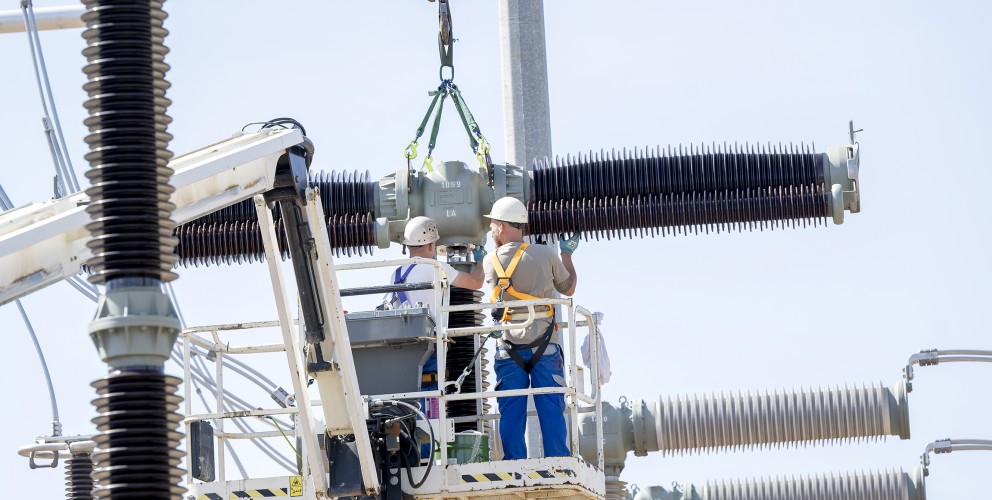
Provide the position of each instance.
(686, 315)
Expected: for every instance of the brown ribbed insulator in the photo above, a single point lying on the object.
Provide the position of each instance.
(237, 242)
(231, 235)
(671, 170)
(688, 212)
(460, 354)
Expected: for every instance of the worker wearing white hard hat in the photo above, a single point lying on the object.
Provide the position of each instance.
(531, 356)
(420, 237)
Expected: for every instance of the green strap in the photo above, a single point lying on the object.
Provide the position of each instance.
(437, 125)
(468, 120)
(430, 110)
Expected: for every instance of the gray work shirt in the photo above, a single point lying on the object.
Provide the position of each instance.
(539, 273)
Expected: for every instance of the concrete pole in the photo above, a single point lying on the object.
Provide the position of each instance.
(526, 110)
(523, 54)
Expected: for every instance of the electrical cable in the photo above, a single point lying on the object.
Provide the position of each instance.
(264, 446)
(5, 202)
(41, 77)
(290, 443)
(56, 424)
(76, 283)
(434, 443)
(175, 303)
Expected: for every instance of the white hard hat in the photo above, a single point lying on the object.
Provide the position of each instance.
(508, 209)
(420, 231)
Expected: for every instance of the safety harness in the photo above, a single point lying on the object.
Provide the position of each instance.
(398, 278)
(505, 285)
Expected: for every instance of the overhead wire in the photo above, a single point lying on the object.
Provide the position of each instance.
(62, 159)
(56, 423)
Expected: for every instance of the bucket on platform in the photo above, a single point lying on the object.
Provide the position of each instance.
(469, 447)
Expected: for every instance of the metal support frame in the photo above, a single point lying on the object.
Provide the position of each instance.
(294, 349)
(45, 243)
(340, 383)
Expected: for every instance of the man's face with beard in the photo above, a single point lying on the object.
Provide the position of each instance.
(497, 228)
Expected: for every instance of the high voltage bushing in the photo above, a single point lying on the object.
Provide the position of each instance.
(755, 420)
(137, 446)
(727, 422)
(709, 188)
(607, 195)
(882, 485)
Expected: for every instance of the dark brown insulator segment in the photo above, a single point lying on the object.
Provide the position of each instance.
(460, 354)
(129, 172)
(231, 235)
(240, 242)
(137, 448)
(675, 169)
(78, 483)
(685, 213)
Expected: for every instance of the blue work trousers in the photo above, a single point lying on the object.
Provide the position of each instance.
(548, 372)
(430, 368)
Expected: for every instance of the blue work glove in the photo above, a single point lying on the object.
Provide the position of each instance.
(568, 245)
(479, 253)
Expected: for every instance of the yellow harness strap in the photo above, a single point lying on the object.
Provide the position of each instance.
(503, 283)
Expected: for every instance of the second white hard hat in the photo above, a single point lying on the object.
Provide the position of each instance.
(509, 209)
(420, 231)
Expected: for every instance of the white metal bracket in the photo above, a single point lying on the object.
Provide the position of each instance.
(45, 243)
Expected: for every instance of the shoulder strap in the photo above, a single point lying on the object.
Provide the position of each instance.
(400, 297)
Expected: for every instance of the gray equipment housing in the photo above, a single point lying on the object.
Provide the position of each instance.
(390, 348)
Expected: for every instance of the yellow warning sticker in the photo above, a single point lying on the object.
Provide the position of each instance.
(295, 486)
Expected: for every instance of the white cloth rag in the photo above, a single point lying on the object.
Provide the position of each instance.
(604, 358)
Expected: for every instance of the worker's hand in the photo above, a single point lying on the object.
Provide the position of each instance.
(568, 245)
(479, 253)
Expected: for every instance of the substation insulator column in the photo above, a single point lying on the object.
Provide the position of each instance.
(637, 193)
(729, 421)
(137, 443)
(883, 485)
(461, 351)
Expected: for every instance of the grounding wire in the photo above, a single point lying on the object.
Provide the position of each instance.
(266, 448)
(56, 424)
(41, 74)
